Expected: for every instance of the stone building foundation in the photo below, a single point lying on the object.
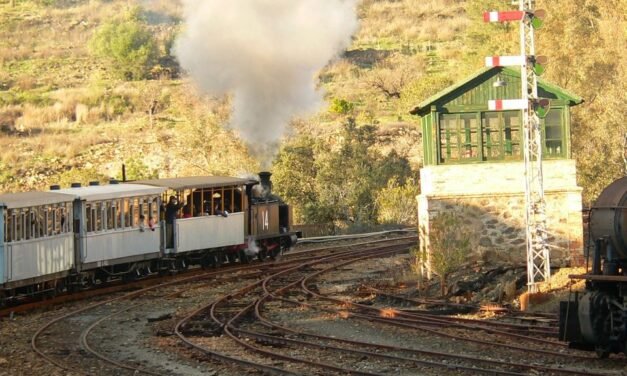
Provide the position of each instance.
(489, 199)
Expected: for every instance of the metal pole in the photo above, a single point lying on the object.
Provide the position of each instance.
(538, 262)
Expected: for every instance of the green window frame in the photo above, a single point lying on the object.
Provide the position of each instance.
(501, 135)
(497, 137)
(553, 134)
(459, 137)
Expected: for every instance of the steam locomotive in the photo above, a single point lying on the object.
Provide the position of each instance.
(596, 319)
(67, 239)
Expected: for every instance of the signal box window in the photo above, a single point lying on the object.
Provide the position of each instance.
(553, 134)
(459, 137)
(499, 136)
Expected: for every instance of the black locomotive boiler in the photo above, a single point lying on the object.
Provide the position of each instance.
(596, 319)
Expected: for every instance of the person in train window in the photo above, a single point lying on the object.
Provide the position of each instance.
(187, 212)
(218, 211)
(151, 223)
(142, 219)
(171, 209)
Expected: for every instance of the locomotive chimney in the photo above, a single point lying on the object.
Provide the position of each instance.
(266, 184)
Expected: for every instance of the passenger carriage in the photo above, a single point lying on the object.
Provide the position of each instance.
(36, 248)
(116, 230)
(212, 222)
(79, 236)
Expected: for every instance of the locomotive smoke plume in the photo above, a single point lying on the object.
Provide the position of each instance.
(265, 53)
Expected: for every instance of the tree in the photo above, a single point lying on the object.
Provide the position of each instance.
(127, 45)
(581, 39)
(449, 246)
(294, 177)
(336, 179)
(136, 169)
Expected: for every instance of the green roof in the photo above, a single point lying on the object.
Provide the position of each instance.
(480, 77)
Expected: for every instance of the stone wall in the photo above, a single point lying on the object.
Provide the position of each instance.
(489, 198)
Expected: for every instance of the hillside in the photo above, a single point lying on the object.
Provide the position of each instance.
(66, 116)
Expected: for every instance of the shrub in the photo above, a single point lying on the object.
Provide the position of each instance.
(341, 106)
(396, 203)
(450, 245)
(127, 44)
(136, 169)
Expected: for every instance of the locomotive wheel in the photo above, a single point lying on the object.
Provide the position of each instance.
(183, 264)
(261, 255)
(218, 259)
(243, 257)
(602, 351)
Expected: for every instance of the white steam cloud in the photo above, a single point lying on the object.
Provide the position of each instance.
(265, 53)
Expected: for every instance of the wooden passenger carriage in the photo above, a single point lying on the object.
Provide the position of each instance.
(36, 242)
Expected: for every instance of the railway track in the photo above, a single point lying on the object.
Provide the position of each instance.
(241, 317)
(282, 318)
(71, 341)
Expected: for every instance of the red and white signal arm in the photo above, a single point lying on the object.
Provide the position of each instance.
(504, 61)
(508, 104)
(503, 16)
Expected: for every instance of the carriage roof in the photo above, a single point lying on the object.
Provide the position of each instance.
(111, 191)
(28, 199)
(197, 182)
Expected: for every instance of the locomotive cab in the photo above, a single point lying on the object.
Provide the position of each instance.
(270, 219)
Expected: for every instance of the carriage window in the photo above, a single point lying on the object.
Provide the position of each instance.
(32, 223)
(19, 225)
(110, 213)
(13, 219)
(59, 220)
(145, 209)
(97, 216)
(228, 199)
(66, 218)
(126, 212)
(136, 210)
(88, 218)
(118, 215)
(36, 219)
(27, 227)
(9, 219)
(153, 212)
(50, 216)
(44, 222)
(239, 200)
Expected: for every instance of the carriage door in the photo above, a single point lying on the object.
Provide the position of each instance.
(80, 215)
(3, 230)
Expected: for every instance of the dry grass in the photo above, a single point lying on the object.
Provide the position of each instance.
(412, 20)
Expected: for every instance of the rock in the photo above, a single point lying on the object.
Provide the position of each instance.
(161, 317)
(509, 289)
(485, 242)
